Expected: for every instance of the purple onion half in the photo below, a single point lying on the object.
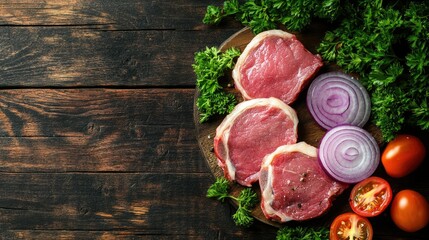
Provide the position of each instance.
(349, 154)
(336, 98)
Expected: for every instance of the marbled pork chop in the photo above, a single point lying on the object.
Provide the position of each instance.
(294, 186)
(274, 64)
(252, 130)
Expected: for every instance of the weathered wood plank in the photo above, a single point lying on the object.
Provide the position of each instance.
(66, 57)
(100, 235)
(112, 15)
(98, 130)
(72, 205)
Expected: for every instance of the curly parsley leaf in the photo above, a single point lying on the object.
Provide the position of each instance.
(303, 233)
(210, 65)
(215, 14)
(261, 15)
(242, 218)
(247, 200)
(219, 189)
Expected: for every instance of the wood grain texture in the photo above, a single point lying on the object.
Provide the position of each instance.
(102, 43)
(64, 57)
(110, 205)
(107, 15)
(97, 130)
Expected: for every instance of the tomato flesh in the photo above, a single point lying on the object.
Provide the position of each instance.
(410, 210)
(403, 155)
(350, 226)
(370, 197)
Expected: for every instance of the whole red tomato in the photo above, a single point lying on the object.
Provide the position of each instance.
(403, 155)
(410, 210)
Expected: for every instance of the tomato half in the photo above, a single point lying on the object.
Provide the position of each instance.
(350, 226)
(403, 155)
(410, 210)
(370, 197)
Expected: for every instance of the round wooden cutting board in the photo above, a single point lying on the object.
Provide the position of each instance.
(308, 130)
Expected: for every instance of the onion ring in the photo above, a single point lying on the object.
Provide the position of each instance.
(349, 153)
(336, 98)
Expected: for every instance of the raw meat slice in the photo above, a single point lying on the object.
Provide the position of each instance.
(294, 186)
(274, 64)
(252, 130)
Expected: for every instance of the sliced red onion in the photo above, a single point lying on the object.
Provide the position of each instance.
(349, 153)
(336, 98)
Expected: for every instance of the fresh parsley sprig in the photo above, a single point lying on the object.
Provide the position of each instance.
(210, 65)
(247, 200)
(303, 233)
(219, 189)
(261, 15)
(215, 14)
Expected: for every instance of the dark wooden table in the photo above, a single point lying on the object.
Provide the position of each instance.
(97, 138)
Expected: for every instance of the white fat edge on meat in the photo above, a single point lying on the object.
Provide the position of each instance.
(267, 193)
(222, 131)
(250, 46)
(228, 162)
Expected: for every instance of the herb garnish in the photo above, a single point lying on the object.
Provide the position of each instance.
(247, 199)
(262, 15)
(211, 64)
(303, 233)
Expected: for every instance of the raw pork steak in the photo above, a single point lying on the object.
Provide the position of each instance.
(252, 130)
(293, 185)
(274, 64)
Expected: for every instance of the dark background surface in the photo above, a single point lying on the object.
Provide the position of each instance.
(97, 138)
